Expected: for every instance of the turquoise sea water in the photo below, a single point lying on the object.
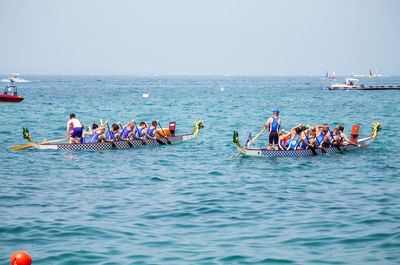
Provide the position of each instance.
(189, 203)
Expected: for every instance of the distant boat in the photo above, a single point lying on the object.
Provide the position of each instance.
(352, 84)
(376, 74)
(327, 74)
(370, 74)
(332, 76)
(15, 78)
(10, 94)
(358, 75)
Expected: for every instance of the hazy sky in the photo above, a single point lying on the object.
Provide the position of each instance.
(148, 37)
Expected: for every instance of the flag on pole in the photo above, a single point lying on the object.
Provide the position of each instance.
(248, 142)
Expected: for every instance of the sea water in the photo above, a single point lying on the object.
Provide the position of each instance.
(191, 203)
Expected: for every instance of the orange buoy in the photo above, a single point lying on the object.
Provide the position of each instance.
(21, 258)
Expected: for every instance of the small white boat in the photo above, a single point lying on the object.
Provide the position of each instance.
(352, 84)
(358, 75)
(15, 78)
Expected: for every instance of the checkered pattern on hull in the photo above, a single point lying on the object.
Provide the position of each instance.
(308, 152)
(121, 144)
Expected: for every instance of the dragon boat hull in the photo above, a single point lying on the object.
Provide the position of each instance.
(263, 152)
(307, 152)
(117, 144)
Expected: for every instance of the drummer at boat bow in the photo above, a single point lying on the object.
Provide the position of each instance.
(76, 132)
(273, 123)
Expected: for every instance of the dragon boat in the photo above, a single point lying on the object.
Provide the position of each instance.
(361, 143)
(170, 139)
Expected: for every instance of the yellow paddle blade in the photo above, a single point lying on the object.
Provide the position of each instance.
(18, 147)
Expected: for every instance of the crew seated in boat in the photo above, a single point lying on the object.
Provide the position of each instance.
(296, 140)
(152, 132)
(339, 136)
(322, 131)
(127, 130)
(138, 133)
(96, 133)
(112, 134)
(284, 136)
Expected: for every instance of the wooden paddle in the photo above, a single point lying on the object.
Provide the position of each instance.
(25, 146)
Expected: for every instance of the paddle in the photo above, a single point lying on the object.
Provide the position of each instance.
(112, 143)
(168, 141)
(25, 146)
(338, 148)
(127, 138)
(313, 151)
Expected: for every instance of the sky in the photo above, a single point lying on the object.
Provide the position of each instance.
(207, 37)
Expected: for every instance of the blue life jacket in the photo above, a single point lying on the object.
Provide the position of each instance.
(302, 145)
(274, 125)
(138, 132)
(320, 139)
(150, 132)
(125, 133)
(94, 138)
(293, 143)
(330, 136)
(110, 137)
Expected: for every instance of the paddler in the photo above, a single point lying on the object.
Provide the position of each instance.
(76, 129)
(341, 136)
(113, 134)
(96, 133)
(127, 130)
(321, 131)
(273, 123)
(150, 132)
(138, 132)
(297, 141)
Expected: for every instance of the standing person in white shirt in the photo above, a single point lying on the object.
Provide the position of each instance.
(76, 126)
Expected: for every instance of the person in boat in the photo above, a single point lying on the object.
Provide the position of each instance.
(305, 136)
(127, 130)
(151, 131)
(284, 136)
(76, 129)
(287, 136)
(273, 123)
(138, 133)
(112, 134)
(340, 136)
(321, 131)
(297, 141)
(96, 133)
